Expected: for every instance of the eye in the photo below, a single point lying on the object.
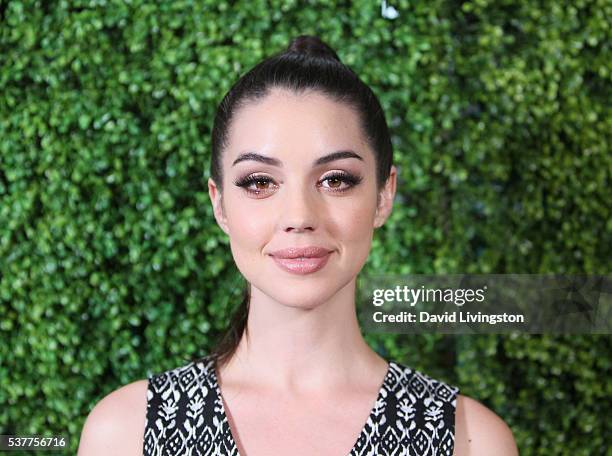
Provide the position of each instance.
(261, 183)
(336, 179)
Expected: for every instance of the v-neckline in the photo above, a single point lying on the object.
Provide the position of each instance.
(374, 410)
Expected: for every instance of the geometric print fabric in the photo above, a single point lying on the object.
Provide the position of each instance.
(413, 415)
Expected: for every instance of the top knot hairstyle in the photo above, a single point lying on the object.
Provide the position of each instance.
(311, 45)
(307, 64)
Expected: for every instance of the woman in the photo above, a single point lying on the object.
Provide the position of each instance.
(301, 175)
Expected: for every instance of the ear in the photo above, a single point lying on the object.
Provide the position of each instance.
(385, 199)
(217, 202)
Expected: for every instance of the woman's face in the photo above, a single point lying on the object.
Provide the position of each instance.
(295, 202)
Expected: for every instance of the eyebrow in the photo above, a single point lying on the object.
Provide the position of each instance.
(338, 155)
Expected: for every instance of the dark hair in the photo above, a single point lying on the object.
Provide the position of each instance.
(307, 64)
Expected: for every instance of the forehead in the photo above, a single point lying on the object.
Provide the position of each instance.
(284, 124)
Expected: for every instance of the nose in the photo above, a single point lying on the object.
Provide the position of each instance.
(299, 211)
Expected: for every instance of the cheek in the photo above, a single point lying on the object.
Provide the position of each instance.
(249, 230)
(244, 220)
(354, 230)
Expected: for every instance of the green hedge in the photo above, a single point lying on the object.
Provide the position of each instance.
(112, 266)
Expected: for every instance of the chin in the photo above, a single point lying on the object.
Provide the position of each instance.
(301, 297)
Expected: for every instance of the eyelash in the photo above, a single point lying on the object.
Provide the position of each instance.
(347, 178)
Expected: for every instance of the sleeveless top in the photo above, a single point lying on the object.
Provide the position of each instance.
(413, 415)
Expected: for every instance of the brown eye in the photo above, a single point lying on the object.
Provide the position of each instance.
(261, 184)
(255, 184)
(334, 182)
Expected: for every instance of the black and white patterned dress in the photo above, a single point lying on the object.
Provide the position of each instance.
(413, 415)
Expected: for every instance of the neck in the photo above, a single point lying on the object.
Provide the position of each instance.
(303, 349)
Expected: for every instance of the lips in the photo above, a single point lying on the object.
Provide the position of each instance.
(302, 260)
(301, 252)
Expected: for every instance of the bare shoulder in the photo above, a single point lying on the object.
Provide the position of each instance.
(479, 431)
(117, 422)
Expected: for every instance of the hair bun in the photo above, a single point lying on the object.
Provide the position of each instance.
(312, 45)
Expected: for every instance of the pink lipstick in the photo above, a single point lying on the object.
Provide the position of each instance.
(302, 260)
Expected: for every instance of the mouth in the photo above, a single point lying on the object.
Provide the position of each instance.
(312, 251)
(303, 264)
